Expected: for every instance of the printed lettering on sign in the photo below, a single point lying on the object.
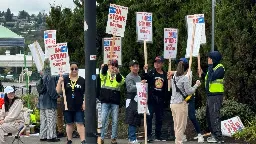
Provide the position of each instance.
(170, 42)
(117, 49)
(117, 20)
(142, 93)
(144, 26)
(231, 126)
(59, 59)
(49, 39)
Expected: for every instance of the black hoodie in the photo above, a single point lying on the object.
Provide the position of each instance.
(213, 75)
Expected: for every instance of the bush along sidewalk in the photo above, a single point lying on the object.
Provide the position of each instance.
(248, 134)
(229, 109)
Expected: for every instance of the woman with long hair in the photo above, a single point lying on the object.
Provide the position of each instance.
(11, 115)
(73, 94)
(181, 88)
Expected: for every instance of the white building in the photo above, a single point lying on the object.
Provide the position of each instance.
(17, 60)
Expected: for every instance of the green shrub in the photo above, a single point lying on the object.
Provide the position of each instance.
(248, 134)
(29, 100)
(229, 109)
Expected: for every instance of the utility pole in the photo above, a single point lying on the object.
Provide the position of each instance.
(90, 70)
(213, 21)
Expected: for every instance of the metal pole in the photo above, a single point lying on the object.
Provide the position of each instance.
(26, 76)
(90, 72)
(213, 21)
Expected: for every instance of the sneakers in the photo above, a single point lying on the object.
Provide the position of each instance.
(83, 142)
(150, 139)
(102, 141)
(200, 138)
(211, 140)
(53, 140)
(134, 142)
(159, 139)
(171, 138)
(184, 138)
(69, 142)
(113, 141)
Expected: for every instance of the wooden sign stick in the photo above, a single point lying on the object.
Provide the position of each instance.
(145, 112)
(112, 47)
(199, 65)
(169, 69)
(191, 50)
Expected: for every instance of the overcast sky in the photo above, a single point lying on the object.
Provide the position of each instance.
(32, 6)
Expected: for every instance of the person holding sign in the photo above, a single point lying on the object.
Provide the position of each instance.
(74, 88)
(181, 89)
(214, 79)
(111, 81)
(157, 90)
(132, 116)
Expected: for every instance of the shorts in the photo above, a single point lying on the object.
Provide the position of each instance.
(71, 117)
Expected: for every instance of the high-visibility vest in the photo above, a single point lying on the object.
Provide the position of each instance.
(107, 83)
(216, 86)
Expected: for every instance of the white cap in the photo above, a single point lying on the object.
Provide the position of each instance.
(8, 90)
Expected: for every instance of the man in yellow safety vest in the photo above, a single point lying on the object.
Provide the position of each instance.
(214, 88)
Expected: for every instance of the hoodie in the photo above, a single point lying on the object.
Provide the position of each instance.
(213, 75)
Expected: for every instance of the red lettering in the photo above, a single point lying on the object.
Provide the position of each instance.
(118, 11)
(232, 125)
(148, 24)
(113, 56)
(169, 40)
(227, 127)
(57, 50)
(63, 55)
(169, 48)
(117, 17)
(59, 56)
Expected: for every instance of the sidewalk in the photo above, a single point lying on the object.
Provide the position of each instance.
(35, 140)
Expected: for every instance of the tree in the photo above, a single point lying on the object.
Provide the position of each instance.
(234, 37)
(8, 15)
(39, 18)
(23, 15)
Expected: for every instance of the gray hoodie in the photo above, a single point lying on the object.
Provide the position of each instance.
(184, 84)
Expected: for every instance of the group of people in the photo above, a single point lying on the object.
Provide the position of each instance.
(64, 96)
(182, 99)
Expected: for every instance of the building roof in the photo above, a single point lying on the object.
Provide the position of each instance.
(9, 38)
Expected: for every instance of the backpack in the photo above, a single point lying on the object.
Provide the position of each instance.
(40, 86)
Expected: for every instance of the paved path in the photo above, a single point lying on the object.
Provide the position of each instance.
(35, 140)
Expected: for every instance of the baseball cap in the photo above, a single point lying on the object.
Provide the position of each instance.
(8, 90)
(184, 60)
(133, 62)
(159, 59)
(114, 62)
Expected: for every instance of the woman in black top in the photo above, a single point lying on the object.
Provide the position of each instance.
(73, 93)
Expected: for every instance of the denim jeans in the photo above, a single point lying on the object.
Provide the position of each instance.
(106, 108)
(192, 115)
(132, 133)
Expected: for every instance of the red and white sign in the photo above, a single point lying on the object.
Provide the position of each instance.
(170, 42)
(49, 39)
(117, 50)
(144, 26)
(93, 57)
(117, 20)
(59, 59)
(231, 126)
(142, 95)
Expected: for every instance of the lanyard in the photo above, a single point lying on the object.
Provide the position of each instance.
(73, 84)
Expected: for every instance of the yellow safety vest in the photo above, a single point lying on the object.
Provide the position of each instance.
(216, 86)
(107, 83)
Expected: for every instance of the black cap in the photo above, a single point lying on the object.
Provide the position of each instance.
(133, 62)
(114, 62)
(159, 59)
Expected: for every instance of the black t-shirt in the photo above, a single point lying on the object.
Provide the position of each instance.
(75, 97)
(158, 83)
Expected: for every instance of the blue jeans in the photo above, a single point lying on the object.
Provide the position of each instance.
(192, 115)
(132, 133)
(106, 108)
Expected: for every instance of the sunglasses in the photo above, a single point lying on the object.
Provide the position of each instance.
(72, 69)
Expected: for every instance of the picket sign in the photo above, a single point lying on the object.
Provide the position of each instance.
(49, 39)
(170, 47)
(231, 126)
(59, 59)
(144, 27)
(117, 50)
(38, 55)
(199, 36)
(142, 95)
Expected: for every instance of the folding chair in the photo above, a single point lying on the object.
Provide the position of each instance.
(17, 137)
